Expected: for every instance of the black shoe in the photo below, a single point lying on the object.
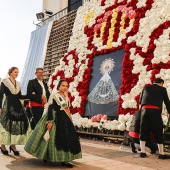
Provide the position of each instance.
(4, 152)
(67, 164)
(143, 155)
(160, 156)
(15, 152)
(133, 148)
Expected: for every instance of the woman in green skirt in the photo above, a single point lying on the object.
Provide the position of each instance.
(62, 144)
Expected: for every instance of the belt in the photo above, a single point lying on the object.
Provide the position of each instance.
(149, 106)
(35, 104)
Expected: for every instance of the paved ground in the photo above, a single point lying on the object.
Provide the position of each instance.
(97, 155)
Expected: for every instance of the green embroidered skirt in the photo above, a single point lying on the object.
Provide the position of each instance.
(46, 150)
(14, 126)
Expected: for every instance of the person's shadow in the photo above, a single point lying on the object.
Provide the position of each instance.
(23, 163)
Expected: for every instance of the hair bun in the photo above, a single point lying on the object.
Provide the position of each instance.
(11, 70)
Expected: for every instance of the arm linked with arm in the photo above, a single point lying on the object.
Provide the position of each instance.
(20, 96)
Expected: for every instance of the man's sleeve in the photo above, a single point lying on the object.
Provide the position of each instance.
(47, 91)
(30, 93)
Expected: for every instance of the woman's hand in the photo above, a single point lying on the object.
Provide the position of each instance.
(67, 110)
(49, 125)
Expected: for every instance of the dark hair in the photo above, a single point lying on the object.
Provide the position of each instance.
(158, 80)
(37, 69)
(11, 70)
(59, 83)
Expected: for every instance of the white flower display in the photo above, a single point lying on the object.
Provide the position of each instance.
(123, 123)
(154, 17)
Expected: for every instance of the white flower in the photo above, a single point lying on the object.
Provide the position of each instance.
(114, 122)
(121, 127)
(95, 124)
(70, 57)
(121, 118)
(128, 125)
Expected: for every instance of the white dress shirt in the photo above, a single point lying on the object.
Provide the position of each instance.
(42, 85)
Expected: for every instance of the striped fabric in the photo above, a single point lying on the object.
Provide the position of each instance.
(46, 150)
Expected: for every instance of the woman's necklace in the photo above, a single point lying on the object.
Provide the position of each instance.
(13, 82)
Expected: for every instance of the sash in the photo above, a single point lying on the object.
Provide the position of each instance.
(64, 103)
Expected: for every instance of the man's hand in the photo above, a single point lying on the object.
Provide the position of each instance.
(0, 111)
(49, 125)
(43, 98)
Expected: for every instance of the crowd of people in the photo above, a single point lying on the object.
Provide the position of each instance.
(49, 133)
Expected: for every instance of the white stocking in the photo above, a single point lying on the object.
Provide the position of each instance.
(161, 149)
(142, 146)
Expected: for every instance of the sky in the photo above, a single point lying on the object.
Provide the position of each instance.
(16, 25)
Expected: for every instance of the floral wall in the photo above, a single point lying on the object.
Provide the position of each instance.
(140, 27)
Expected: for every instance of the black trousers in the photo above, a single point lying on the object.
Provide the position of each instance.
(151, 121)
(34, 115)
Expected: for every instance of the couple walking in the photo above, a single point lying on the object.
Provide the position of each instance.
(14, 123)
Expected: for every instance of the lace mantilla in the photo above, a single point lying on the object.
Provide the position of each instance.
(13, 89)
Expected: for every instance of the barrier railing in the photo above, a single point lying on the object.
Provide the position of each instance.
(61, 13)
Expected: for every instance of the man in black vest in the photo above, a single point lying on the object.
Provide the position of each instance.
(37, 91)
(151, 101)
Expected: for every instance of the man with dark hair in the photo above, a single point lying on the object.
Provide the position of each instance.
(152, 98)
(37, 91)
(159, 80)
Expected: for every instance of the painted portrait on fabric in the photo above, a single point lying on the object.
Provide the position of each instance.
(104, 84)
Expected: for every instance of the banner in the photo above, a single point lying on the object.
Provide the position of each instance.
(104, 84)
